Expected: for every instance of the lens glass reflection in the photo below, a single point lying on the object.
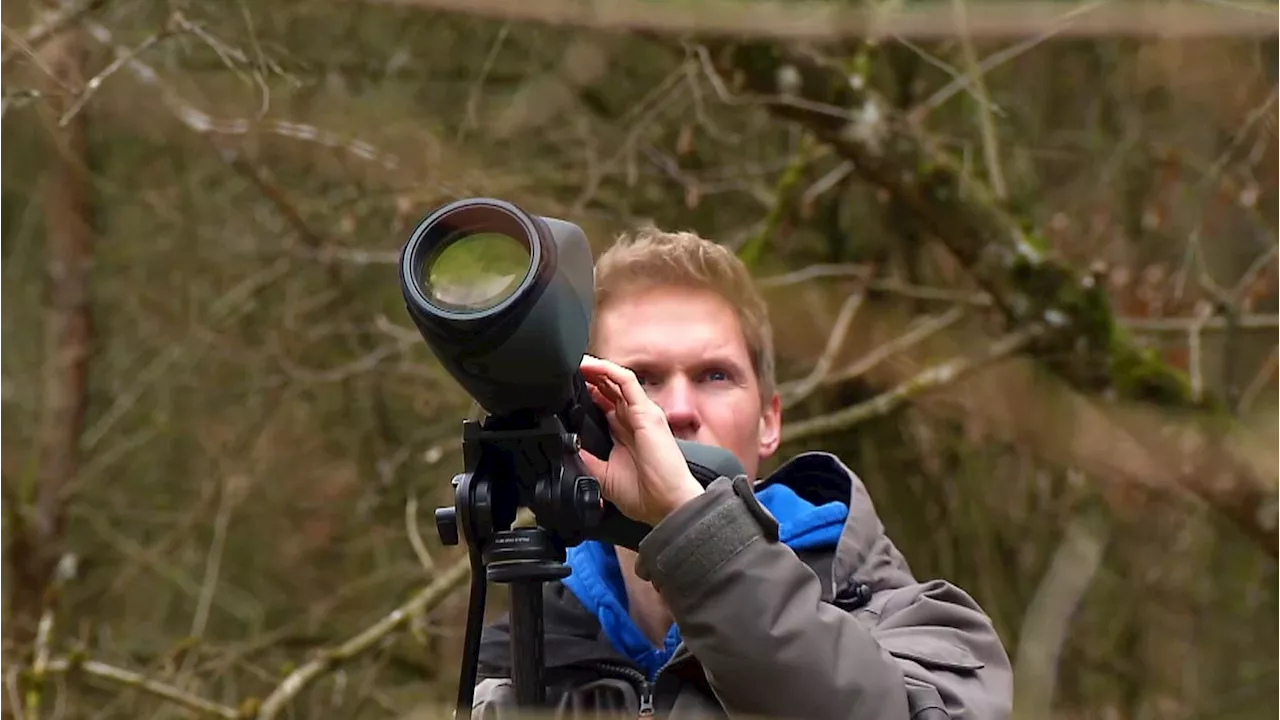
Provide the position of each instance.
(476, 272)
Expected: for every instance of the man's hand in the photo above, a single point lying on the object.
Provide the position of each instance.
(645, 475)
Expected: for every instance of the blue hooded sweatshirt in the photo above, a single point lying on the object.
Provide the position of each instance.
(597, 578)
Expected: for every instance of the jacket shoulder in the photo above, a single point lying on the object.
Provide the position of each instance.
(951, 658)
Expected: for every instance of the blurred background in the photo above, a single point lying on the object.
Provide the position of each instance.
(1021, 260)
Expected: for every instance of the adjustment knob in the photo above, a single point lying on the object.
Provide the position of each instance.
(587, 501)
(447, 525)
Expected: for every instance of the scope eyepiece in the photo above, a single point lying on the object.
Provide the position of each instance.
(469, 260)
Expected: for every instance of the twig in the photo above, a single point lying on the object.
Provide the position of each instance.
(232, 304)
(931, 378)
(991, 62)
(129, 678)
(41, 665)
(797, 390)
(1243, 285)
(817, 21)
(96, 81)
(473, 97)
(1195, 358)
(330, 254)
(54, 23)
(40, 668)
(1184, 324)
(990, 145)
(926, 329)
(291, 686)
(15, 695)
(327, 660)
(399, 332)
(863, 273)
(415, 537)
(310, 238)
(1178, 325)
(362, 364)
(1255, 386)
(227, 501)
(202, 123)
(783, 202)
(826, 182)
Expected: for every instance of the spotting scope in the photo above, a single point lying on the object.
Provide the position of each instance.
(504, 300)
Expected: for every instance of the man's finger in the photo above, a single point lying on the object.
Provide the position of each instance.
(599, 399)
(626, 380)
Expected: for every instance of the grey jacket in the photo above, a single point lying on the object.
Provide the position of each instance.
(769, 631)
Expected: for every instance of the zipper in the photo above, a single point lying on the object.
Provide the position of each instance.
(645, 685)
(646, 698)
(646, 688)
(637, 678)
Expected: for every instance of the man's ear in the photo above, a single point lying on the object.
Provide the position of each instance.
(771, 426)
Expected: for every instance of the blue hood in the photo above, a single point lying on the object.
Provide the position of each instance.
(597, 579)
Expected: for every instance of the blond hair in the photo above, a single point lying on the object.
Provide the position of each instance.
(650, 258)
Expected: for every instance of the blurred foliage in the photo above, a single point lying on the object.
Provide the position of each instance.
(259, 410)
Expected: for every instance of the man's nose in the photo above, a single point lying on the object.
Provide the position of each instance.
(679, 402)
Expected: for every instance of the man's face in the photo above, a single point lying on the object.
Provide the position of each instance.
(687, 348)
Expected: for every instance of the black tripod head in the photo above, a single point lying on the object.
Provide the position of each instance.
(504, 301)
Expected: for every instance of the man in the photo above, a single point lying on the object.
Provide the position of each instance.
(778, 599)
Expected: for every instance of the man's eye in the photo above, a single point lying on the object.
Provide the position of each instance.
(716, 375)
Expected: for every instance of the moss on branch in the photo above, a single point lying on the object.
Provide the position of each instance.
(1005, 254)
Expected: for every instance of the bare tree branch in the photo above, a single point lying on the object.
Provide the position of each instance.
(202, 123)
(324, 661)
(129, 678)
(931, 378)
(797, 390)
(1186, 324)
(96, 81)
(1082, 342)
(327, 660)
(862, 274)
(922, 331)
(814, 21)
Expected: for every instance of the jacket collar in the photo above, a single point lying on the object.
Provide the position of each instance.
(864, 553)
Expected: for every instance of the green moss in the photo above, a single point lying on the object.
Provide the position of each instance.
(860, 65)
(754, 247)
(1035, 240)
(1086, 345)
(1140, 374)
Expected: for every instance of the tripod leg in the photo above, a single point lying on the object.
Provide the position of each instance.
(527, 643)
(471, 641)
